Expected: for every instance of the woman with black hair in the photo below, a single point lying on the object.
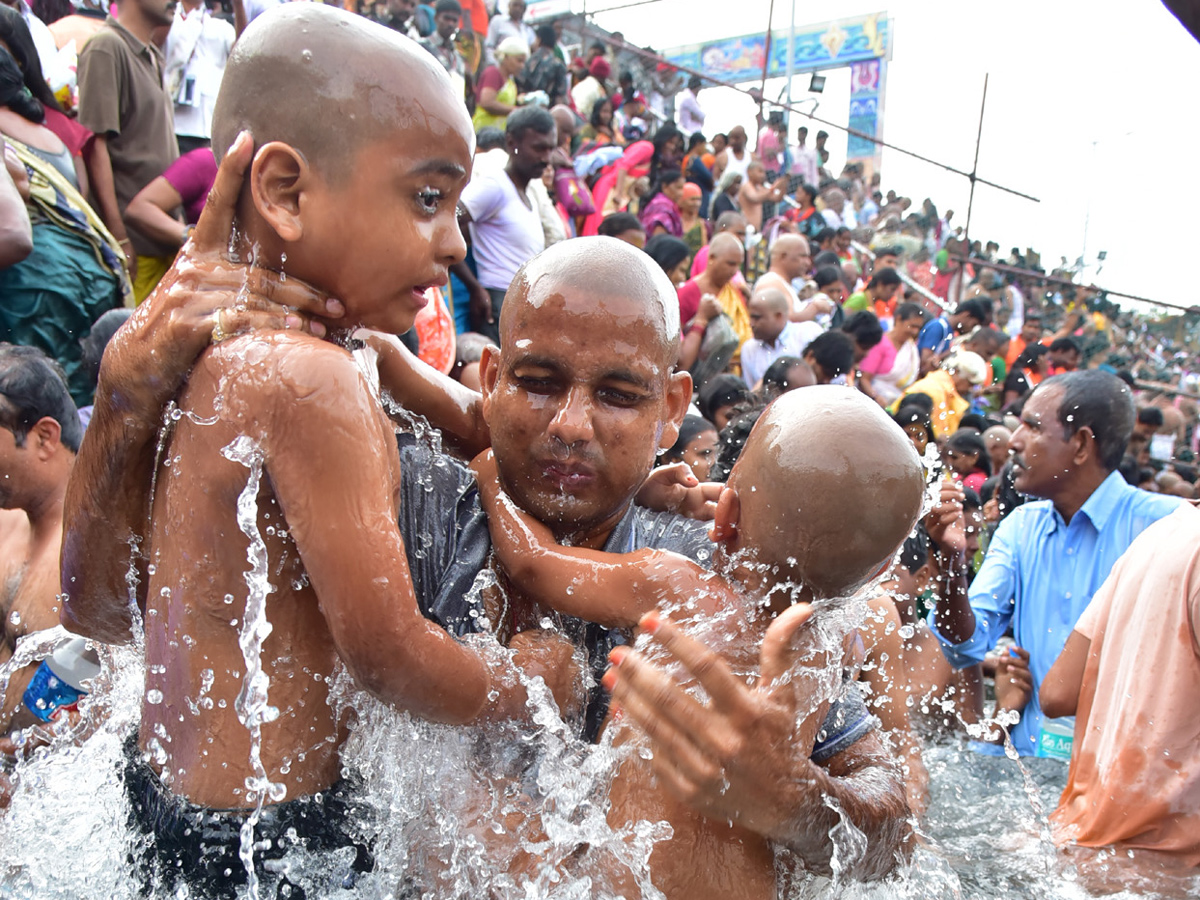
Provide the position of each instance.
(672, 255)
(967, 458)
(28, 111)
(599, 131)
(650, 158)
(660, 213)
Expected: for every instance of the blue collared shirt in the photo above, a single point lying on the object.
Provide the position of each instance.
(1039, 575)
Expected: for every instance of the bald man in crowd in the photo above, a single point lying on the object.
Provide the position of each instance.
(791, 259)
(774, 335)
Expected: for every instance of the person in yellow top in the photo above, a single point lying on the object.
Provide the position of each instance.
(950, 388)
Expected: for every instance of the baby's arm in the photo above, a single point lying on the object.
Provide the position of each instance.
(612, 589)
(417, 386)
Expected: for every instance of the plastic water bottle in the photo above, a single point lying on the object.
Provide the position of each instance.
(57, 684)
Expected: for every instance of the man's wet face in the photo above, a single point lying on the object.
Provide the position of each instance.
(576, 404)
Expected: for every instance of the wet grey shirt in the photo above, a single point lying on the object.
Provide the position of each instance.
(448, 544)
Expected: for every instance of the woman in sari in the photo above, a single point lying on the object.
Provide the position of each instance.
(75, 270)
(497, 93)
(695, 228)
(642, 158)
(661, 214)
(599, 130)
(894, 363)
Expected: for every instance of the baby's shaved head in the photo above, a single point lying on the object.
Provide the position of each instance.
(327, 83)
(604, 268)
(829, 488)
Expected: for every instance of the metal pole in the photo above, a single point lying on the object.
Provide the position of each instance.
(973, 177)
(766, 64)
(791, 49)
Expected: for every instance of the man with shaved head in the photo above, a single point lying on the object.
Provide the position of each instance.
(774, 335)
(774, 556)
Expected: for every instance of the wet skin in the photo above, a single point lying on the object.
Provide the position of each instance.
(375, 234)
(818, 444)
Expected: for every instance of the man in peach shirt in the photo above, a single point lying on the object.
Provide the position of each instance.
(1130, 673)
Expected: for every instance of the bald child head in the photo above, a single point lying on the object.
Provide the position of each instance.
(828, 487)
(327, 83)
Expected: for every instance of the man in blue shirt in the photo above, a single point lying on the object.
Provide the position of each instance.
(934, 339)
(1047, 558)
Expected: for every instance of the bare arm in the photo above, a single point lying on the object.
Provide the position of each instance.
(741, 757)
(337, 497)
(1059, 694)
(150, 212)
(107, 498)
(417, 386)
(16, 233)
(105, 193)
(612, 589)
(955, 618)
(487, 99)
(885, 673)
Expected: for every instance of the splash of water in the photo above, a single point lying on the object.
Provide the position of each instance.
(252, 704)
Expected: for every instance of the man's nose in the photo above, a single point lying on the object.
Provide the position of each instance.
(573, 421)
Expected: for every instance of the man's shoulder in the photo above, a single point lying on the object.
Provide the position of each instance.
(107, 41)
(668, 531)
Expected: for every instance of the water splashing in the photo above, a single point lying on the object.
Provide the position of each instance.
(252, 704)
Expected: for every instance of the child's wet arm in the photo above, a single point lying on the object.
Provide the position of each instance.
(449, 406)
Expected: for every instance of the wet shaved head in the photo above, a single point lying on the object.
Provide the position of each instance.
(327, 83)
(611, 273)
(829, 487)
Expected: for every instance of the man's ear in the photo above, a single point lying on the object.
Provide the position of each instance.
(46, 435)
(679, 395)
(489, 374)
(725, 523)
(1085, 445)
(279, 175)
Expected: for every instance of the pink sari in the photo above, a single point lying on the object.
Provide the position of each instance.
(635, 162)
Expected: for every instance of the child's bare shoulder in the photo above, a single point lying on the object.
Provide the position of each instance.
(281, 375)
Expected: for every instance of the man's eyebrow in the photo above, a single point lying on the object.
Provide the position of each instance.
(628, 376)
(439, 167)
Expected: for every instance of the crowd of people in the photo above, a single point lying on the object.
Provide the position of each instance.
(573, 280)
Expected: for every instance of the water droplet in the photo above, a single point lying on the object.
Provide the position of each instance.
(306, 55)
(154, 697)
(15, 618)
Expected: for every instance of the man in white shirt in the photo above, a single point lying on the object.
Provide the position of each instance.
(198, 46)
(503, 218)
(512, 25)
(774, 335)
(691, 115)
(804, 159)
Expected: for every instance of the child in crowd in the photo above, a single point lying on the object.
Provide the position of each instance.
(966, 455)
(284, 449)
(785, 541)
